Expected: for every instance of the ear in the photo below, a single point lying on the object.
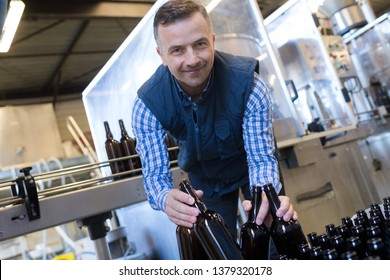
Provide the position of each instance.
(159, 52)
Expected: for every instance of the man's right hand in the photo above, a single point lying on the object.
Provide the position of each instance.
(179, 208)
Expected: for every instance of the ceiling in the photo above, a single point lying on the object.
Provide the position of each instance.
(61, 45)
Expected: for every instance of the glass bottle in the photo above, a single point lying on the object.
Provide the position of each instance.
(330, 254)
(304, 252)
(287, 236)
(170, 143)
(127, 147)
(189, 245)
(344, 231)
(347, 221)
(339, 244)
(360, 232)
(324, 241)
(350, 255)
(375, 210)
(361, 221)
(254, 238)
(331, 230)
(376, 247)
(212, 232)
(316, 253)
(354, 244)
(313, 239)
(113, 150)
(362, 214)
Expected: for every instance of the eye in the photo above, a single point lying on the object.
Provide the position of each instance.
(176, 51)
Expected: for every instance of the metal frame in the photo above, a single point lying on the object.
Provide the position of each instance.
(67, 206)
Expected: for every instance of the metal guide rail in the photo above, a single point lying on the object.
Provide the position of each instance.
(29, 209)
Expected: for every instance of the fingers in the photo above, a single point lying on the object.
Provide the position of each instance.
(179, 208)
(286, 209)
(263, 211)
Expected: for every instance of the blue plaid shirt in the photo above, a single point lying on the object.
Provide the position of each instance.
(258, 144)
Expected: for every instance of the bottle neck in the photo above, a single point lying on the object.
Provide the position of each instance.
(256, 203)
(273, 199)
(186, 187)
(108, 131)
(123, 129)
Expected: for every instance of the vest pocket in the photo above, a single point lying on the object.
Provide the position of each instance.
(226, 144)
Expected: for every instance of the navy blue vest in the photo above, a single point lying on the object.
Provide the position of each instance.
(209, 135)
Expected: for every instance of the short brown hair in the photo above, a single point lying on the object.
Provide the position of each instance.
(175, 10)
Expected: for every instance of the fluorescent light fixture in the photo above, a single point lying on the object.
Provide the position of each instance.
(16, 8)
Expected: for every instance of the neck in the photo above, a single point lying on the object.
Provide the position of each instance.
(194, 92)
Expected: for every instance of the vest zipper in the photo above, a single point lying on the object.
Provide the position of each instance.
(197, 135)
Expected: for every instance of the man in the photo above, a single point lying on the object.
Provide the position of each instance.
(218, 110)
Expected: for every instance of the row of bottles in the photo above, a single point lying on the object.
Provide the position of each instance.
(126, 147)
(366, 236)
(123, 148)
(218, 243)
(254, 239)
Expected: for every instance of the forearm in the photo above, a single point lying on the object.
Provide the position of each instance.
(258, 139)
(154, 155)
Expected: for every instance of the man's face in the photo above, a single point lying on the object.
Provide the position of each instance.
(186, 47)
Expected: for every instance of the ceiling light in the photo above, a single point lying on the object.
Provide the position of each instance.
(16, 8)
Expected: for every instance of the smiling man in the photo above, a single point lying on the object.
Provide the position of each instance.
(218, 110)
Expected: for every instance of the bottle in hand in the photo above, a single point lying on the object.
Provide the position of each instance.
(189, 245)
(211, 230)
(254, 238)
(287, 236)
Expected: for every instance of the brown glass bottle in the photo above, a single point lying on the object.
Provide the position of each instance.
(189, 245)
(287, 236)
(113, 150)
(128, 148)
(347, 221)
(211, 230)
(254, 238)
(171, 144)
(313, 239)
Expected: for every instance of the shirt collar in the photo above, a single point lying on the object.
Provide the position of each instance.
(187, 96)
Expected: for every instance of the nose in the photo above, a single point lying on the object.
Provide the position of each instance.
(192, 57)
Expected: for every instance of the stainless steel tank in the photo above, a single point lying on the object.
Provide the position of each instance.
(344, 15)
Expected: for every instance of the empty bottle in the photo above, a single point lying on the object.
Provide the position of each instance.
(113, 151)
(189, 245)
(324, 241)
(316, 253)
(376, 248)
(304, 252)
(254, 238)
(170, 143)
(344, 231)
(354, 244)
(287, 236)
(128, 149)
(212, 232)
(330, 254)
(331, 230)
(313, 239)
